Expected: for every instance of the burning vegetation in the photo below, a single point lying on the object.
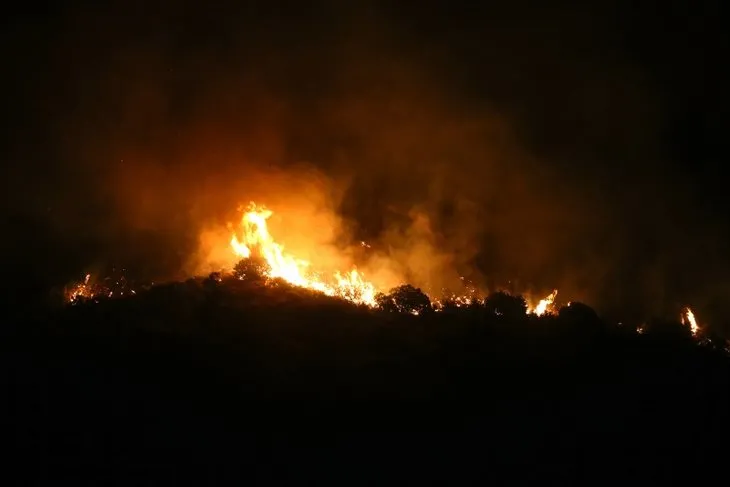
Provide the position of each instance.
(253, 240)
(90, 289)
(688, 319)
(261, 255)
(260, 258)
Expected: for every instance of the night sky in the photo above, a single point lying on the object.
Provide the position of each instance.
(578, 146)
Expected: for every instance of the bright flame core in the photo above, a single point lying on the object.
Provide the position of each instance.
(253, 238)
(688, 318)
(545, 305)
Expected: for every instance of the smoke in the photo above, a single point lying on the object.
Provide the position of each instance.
(494, 148)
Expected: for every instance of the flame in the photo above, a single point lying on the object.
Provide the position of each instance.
(545, 305)
(688, 318)
(80, 291)
(95, 289)
(253, 245)
(254, 238)
(453, 300)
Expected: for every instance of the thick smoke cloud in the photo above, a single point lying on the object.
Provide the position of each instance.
(515, 150)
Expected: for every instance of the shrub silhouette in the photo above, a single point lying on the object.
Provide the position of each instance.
(505, 305)
(580, 320)
(251, 269)
(578, 313)
(668, 330)
(404, 299)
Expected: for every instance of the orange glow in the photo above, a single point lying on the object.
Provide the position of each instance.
(253, 238)
(545, 305)
(688, 318)
(453, 300)
(251, 243)
(80, 291)
(94, 289)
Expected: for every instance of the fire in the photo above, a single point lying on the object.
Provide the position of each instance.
(94, 289)
(259, 254)
(454, 300)
(688, 318)
(546, 304)
(80, 291)
(254, 239)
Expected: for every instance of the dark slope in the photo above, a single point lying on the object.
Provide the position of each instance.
(192, 384)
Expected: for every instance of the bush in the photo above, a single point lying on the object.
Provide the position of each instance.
(404, 299)
(506, 305)
(250, 269)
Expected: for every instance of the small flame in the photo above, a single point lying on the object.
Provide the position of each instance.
(688, 318)
(94, 289)
(80, 291)
(453, 300)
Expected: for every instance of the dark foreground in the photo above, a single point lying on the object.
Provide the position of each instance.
(181, 385)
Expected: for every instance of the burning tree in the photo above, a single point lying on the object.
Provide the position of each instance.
(252, 241)
(580, 319)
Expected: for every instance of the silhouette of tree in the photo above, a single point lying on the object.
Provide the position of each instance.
(450, 306)
(505, 305)
(668, 330)
(253, 268)
(578, 313)
(580, 320)
(404, 299)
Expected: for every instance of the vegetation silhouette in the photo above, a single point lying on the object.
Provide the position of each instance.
(404, 299)
(250, 269)
(216, 374)
(506, 305)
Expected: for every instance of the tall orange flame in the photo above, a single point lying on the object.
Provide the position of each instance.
(688, 318)
(253, 237)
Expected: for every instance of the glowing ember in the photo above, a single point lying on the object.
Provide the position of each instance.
(688, 318)
(254, 239)
(80, 291)
(455, 301)
(94, 289)
(545, 305)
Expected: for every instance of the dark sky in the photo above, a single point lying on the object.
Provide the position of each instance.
(577, 145)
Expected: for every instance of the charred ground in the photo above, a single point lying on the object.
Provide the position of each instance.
(269, 382)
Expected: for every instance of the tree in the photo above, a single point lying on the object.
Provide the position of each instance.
(252, 268)
(668, 330)
(404, 299)
(578, 313)
(579, 319)
(505, 305)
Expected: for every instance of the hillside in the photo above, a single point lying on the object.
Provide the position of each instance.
(273, 382)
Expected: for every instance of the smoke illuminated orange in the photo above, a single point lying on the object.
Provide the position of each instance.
(253, 238)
